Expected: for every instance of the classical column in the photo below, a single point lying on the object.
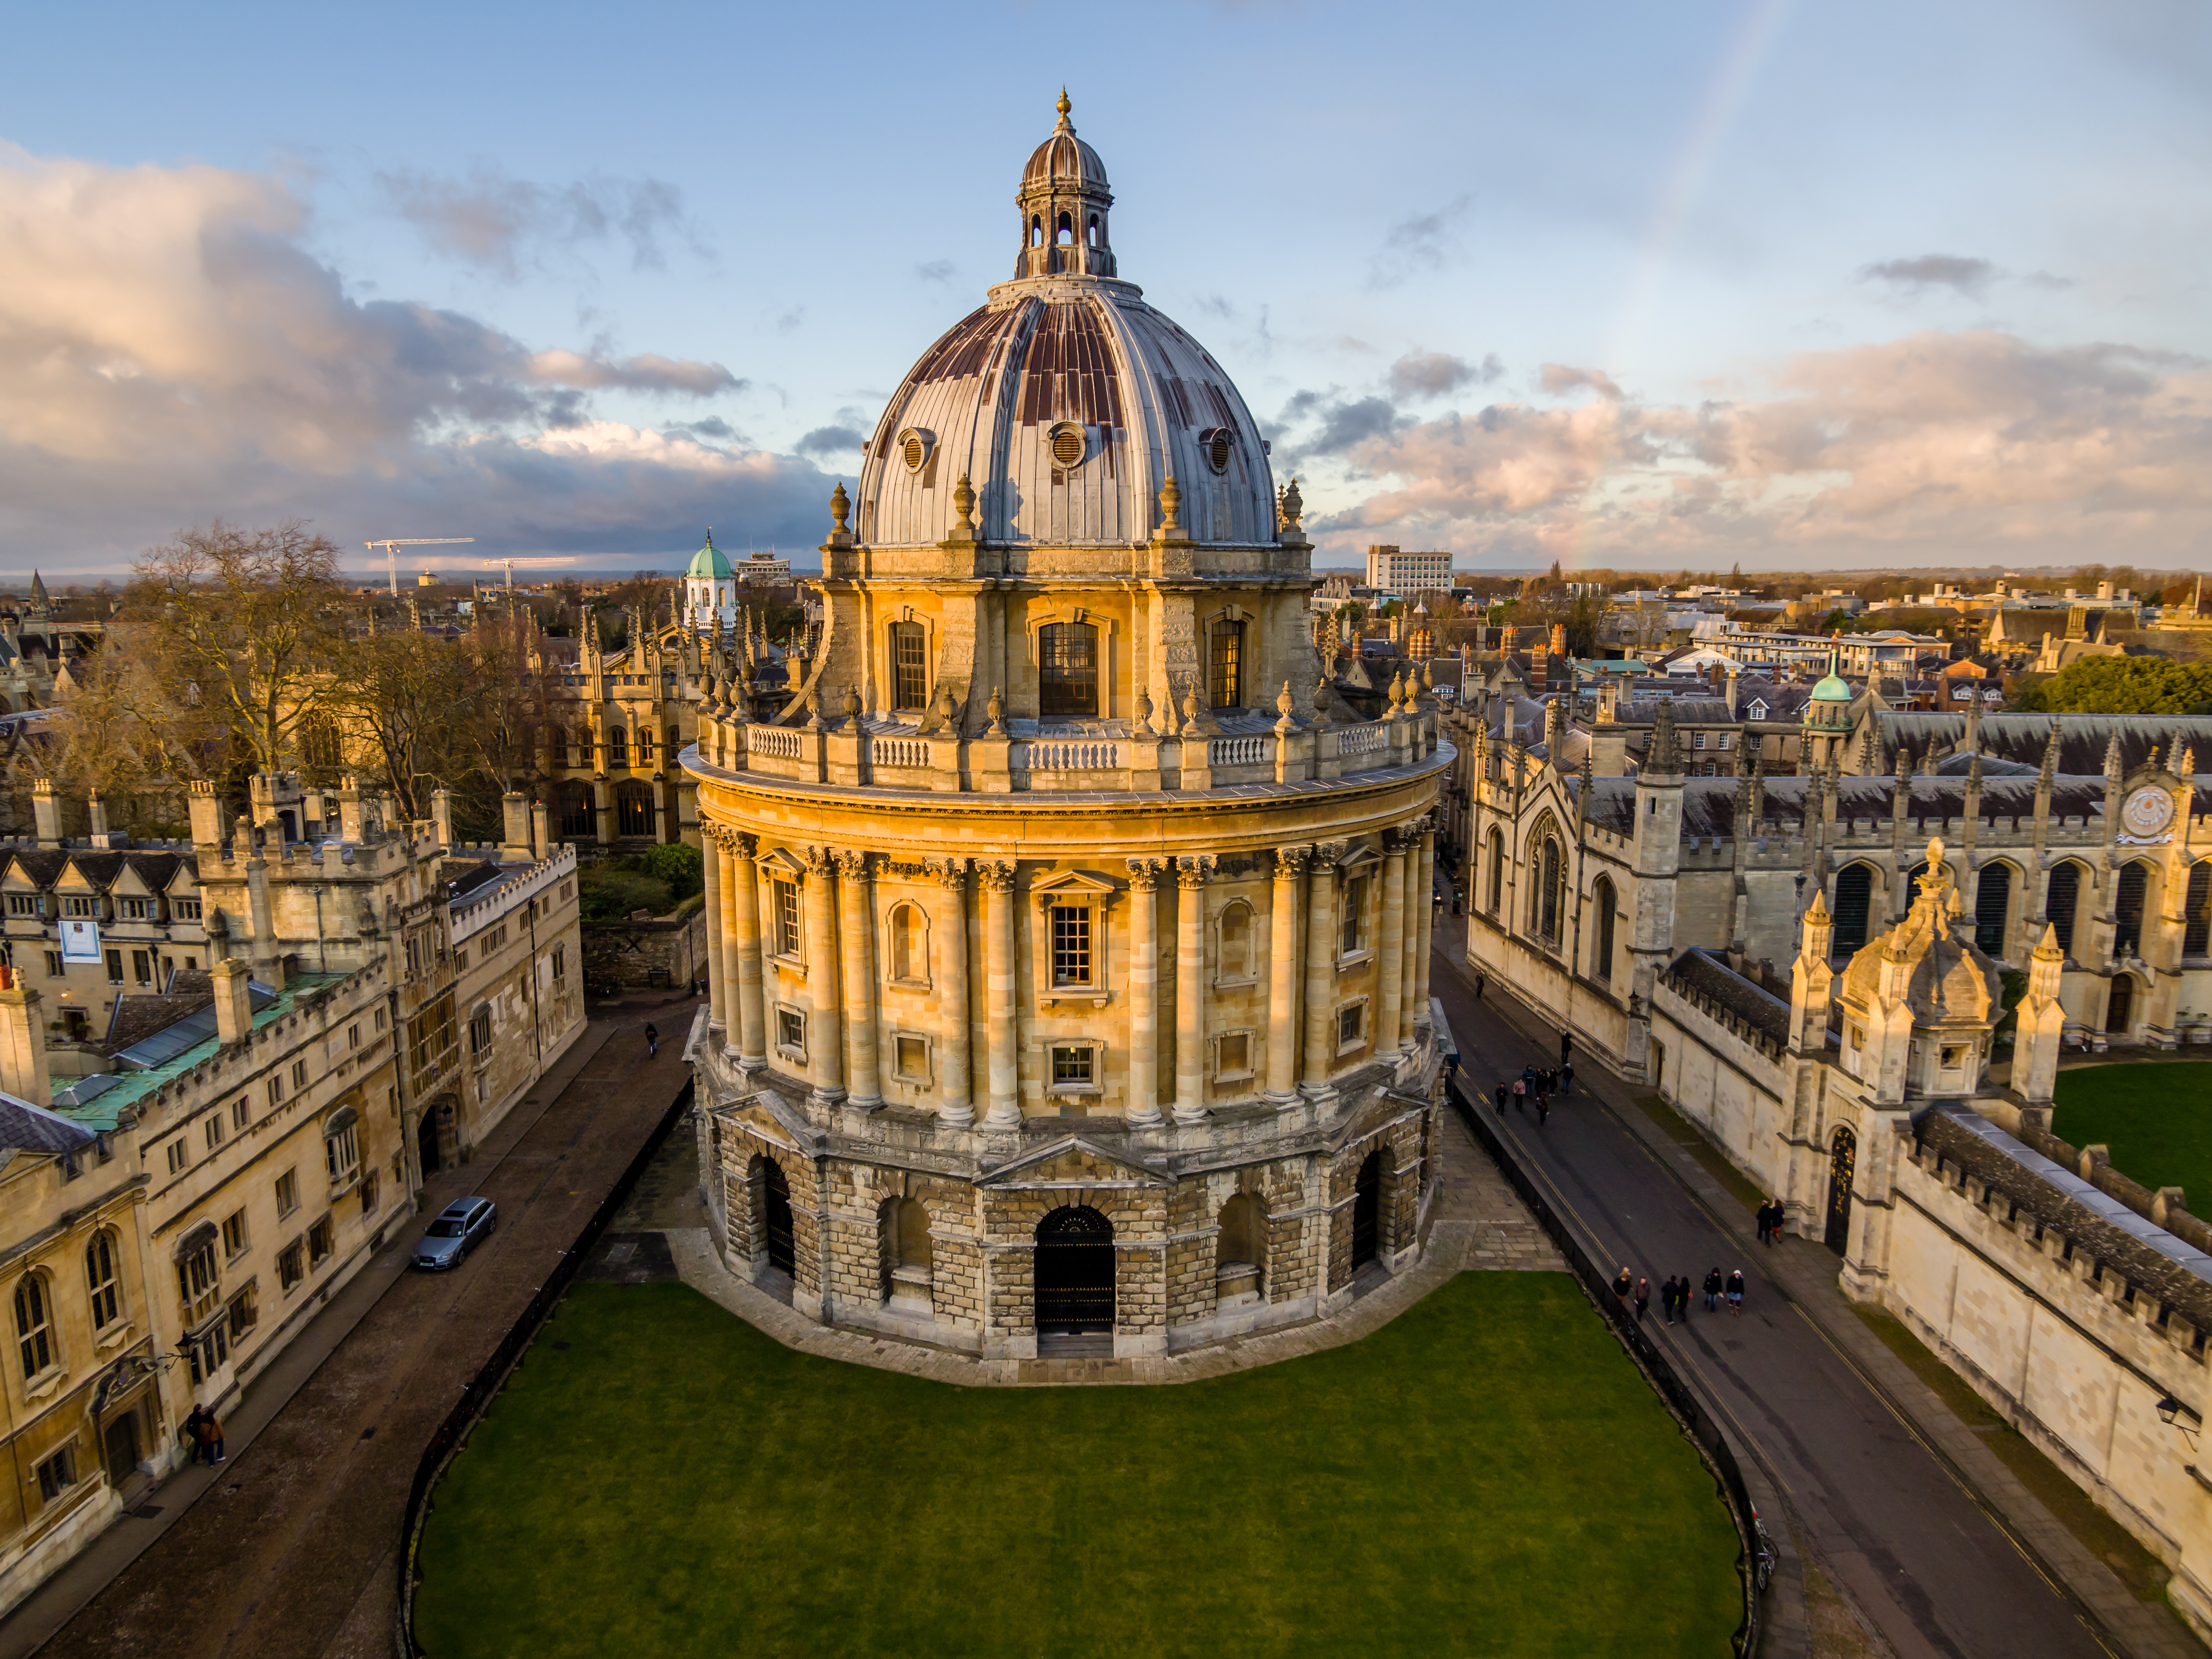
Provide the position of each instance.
(1390, 948)
(825, 1042)
(1143, 1110)
(741, 883)
(1192, 872)
(1424, 887)
(1409, 1011)
(999, 982)
(1283, 975)
(710, 865)
(856, 923)
(953, 1104)
(723, 858)
(1321, 974)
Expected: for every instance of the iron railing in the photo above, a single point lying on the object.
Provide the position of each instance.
(451, 1434)
(1657, 1369)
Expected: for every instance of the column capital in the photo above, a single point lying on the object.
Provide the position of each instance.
(741, 844)
(855, 865)
(1194, 870)
(1145, 874)
(1291, 861)
(1399, 839)
(818, 861)
(995, 875)
(951, 873)
(1327, 854)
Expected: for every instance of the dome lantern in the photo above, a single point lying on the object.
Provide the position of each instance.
(1064, 200)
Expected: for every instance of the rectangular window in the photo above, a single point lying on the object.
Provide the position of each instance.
(322, 1239)
(1224, 680)
(80, 907)
(23, 904)
(244, 1313)
(214, 1132)
(299, 1075)
(241, 1113)
(275, 1091)
(184, 909)
(1350, 1024)
(368, 1184)
(1071, 1066)
(291, 1266)
(461, 958)
(913, 1059)
(1071, 944)
(142, 968)
(135, 910)
(353, 1034)
(1698, 740)
(199, 1279)
(58, 1473)
(787, 918)
(288, 1193)
(791, 1033)
(342, 1154)
(909, 672)
(1725, 739)
(234, 1234)
(1355, 916)
(54, 969)
(178, 1156)
(115, 967)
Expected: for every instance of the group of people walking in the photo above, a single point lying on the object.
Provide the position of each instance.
(1535, 1087)
(1634, 1295)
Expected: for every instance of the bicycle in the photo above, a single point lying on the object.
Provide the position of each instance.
(1763, 1556)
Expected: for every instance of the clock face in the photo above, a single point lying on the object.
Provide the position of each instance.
(2148, 812)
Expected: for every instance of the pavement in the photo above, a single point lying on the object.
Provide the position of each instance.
(1889, 1499)
(287, 1551)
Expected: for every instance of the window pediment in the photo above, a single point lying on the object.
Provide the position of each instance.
(1073, 887)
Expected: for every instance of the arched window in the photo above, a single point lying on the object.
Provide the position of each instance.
(1093, 230)
(1601, 944)
(557, 737)
(1064, 234)
(1854, 899)
(1992, 908)
(100, 1280)
(1225, 675)
(617, 747)
(1068, 669)
(1544, 903)
(2064, 900)
(910, 668)
(909, 953)
(579, 816)
(34, 1325)
(341, 1146)
(2197, 912)
(1037, 231)
(2128, 910)
(632, 808)
(645, 745)
(1497, 870)
(1234, 955)
(318, 743)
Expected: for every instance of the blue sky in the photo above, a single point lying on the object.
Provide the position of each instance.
(1791, 286)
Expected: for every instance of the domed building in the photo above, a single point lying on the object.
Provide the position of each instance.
(710, 590)
(1070, 982)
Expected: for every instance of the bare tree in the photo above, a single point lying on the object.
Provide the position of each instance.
(415, 698)
(243, 624)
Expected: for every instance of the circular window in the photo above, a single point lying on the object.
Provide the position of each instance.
(1069, 444)
(1217, 442)
(914, 446)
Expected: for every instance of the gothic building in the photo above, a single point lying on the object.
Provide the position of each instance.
(1069, 968)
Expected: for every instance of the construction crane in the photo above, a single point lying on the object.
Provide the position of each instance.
(392, 545)
(511, 564)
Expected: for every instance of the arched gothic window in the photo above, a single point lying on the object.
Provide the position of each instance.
(1854, 898)
(2063, 900)
(1601, 901)
(1497, 870)
(2128, 910)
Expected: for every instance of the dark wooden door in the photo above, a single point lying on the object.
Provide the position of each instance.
(1843, 1157)
(1366, 1210)
(1074, 1272)
(775, 1194)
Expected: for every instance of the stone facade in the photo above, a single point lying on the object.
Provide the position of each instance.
(1026, 914)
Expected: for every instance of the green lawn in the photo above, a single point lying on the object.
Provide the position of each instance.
(2156, 1117)
(1487, 1474)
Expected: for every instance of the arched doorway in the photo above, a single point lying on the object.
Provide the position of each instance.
(426, 1140)
(775, 1216)
(1366, 1210)
(1074, 1272)
(1842, 1159)
(2120, 1006)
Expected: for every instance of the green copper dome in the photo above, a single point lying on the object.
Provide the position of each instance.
(709, 562)
(1832, 689)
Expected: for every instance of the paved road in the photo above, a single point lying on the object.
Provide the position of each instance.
(292, 1557)
(1924, 1562)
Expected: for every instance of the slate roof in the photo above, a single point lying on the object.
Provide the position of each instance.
(1706, 974)
(27, 1129)
(138, 1016)
(2082, 738)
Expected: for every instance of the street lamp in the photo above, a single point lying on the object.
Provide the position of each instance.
(2170, 1412)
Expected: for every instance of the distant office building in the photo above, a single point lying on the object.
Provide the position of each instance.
(1396, 571)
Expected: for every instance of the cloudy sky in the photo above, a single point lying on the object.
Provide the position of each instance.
(1793, 286)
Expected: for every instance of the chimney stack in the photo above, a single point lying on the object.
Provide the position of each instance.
(46, 812)
(234, 1004)
(515, 849)
(441, 819)
(23, 1069)
(350, 819)
(539, 846)
(206, 812)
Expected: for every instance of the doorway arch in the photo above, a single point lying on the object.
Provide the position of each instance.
(2120, 1005)
(775, 1216)
(1074, 1272)
(1367, 1210)
(1842, 1159)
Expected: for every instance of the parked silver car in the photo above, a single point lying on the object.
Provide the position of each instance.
(460, 1227)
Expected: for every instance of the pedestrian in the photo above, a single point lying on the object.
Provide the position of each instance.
(1736, 1291)
(1566, 1047)
(1551, 1078)
(210, 1437)
(1501, 1100)
(1667, 1299)
(1543, 1108)
(1775, 1212)
(1682, 1298)
(1621, 1287)
(1765, 1220)
(1643, 1299)
(652, 1040)
(1713, 1291)
(1567, 1079)
(189, 1431)
(1520, 1091)
(1478, 986)
(1528, 1074)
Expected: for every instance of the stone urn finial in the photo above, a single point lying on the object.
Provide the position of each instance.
(1143, 724)
(945, 706)
(1285, 704)
(841, 507)
(996, 708)
(963, 503)
(1321, 701)
(851, 705)
(1293, 505)
(1190, 709)
(1172, 509)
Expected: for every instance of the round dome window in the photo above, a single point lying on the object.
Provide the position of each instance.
(914, 446)
(1069, 444)
(1218, 443)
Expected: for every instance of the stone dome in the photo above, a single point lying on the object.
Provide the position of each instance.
(1945, 980)
(1066, 402)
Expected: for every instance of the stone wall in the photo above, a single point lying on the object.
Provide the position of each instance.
(631, 952)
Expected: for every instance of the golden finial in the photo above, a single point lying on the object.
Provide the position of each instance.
(1063, 106)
